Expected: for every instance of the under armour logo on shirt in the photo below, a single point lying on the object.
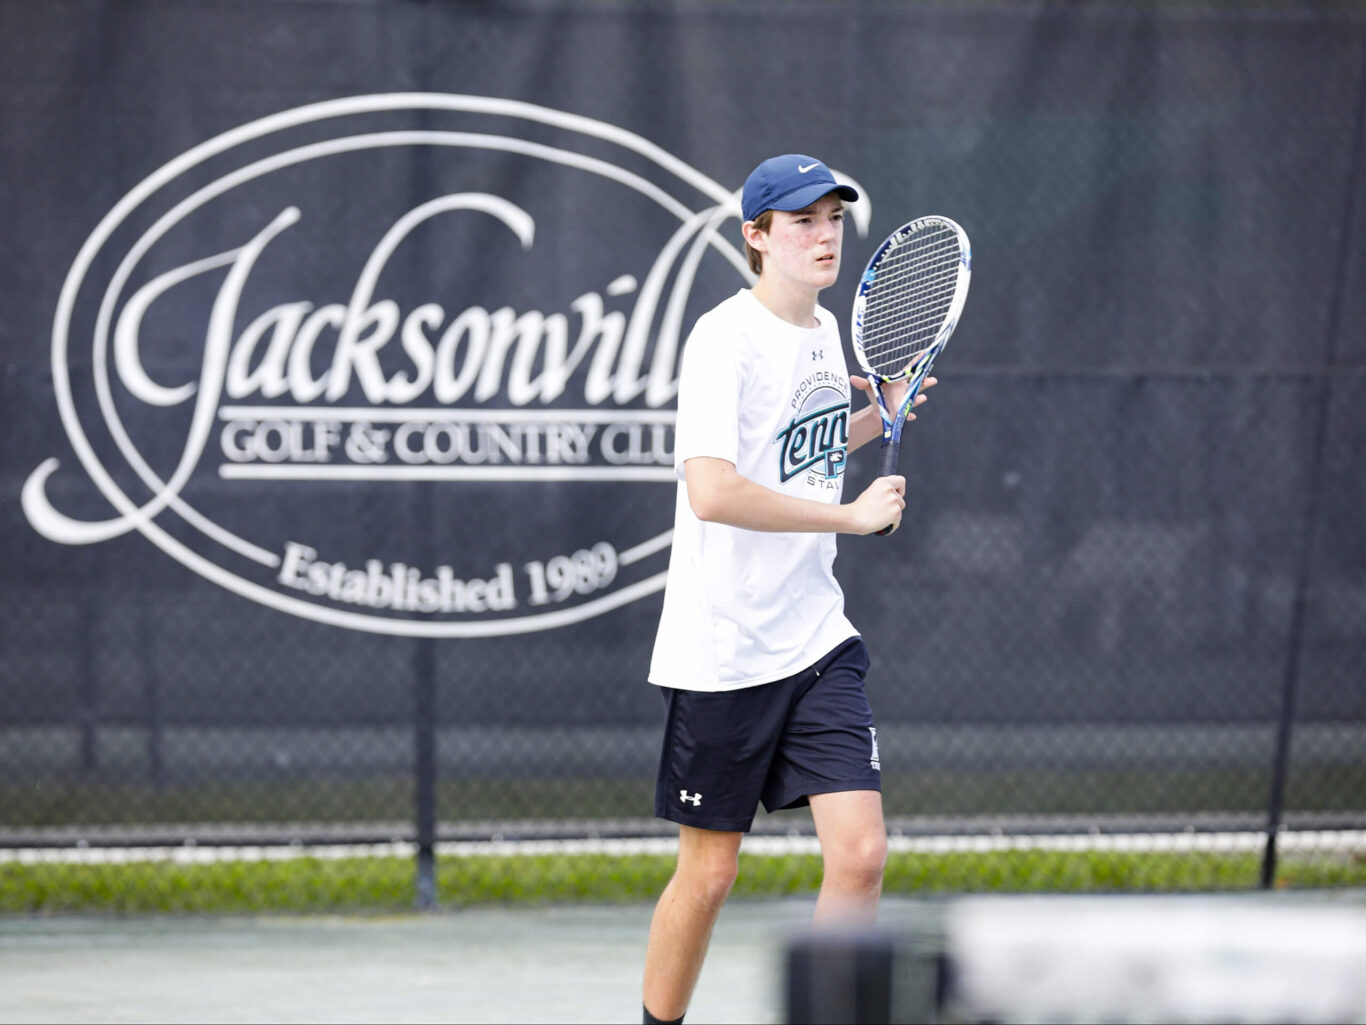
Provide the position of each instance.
(686, 797)
(817, 354)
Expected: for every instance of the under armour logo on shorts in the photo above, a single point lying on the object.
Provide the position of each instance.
(685, 797)
(875, 761)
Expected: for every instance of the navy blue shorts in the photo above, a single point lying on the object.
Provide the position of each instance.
(779, 743)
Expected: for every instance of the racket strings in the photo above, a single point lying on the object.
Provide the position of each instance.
(892, 292)
(924, 254)
(909, 267)
(926, 295)
(914, 244)
(922, 248)
(908, 300)
(917, 316)
(891, 359)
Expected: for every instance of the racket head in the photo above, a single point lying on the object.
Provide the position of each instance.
(910, 297)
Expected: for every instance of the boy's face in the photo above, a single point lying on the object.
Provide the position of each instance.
(803, 246)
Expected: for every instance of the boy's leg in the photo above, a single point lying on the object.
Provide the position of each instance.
(853, 840)
(681, 928)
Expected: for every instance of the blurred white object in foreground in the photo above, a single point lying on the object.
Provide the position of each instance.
(1234, 958)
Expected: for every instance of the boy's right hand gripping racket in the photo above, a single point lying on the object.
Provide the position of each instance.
(907, 306)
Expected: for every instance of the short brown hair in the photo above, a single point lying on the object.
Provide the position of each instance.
(756, 259)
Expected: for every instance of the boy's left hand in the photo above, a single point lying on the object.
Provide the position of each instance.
(894, 392)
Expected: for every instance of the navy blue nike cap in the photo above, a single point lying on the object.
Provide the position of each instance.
(789, 182)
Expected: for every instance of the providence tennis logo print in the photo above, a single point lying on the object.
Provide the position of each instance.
(396, 363)
(816, 440)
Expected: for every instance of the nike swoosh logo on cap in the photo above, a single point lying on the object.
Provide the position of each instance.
(803, 170)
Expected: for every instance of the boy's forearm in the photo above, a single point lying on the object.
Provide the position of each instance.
(718, 493)
(864, 426)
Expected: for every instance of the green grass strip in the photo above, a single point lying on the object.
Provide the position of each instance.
(387, 883)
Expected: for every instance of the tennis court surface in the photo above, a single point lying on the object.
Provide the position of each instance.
(557, 964)
(1047, 958)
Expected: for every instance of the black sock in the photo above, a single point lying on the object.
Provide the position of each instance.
(650, 1019)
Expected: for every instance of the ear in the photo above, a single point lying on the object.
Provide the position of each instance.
(758, 240)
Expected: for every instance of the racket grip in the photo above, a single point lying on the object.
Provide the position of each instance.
(886, 467)
(888, 458)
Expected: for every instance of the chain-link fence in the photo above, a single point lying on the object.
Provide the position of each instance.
(353, 615)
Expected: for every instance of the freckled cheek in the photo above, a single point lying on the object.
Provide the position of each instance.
(787, 254)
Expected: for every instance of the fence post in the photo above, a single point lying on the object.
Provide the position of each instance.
(424, 767)
(1314, 487)
(1290, 684)
(1276, 803)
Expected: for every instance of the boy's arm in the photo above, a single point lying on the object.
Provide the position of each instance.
(718, 493)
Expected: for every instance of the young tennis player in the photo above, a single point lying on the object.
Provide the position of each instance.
(762, 674)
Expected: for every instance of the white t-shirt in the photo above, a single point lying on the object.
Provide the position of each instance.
(745, 607)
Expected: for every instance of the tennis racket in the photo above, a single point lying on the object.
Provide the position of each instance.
(908, 303)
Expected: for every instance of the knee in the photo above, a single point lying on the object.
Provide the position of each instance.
(860, 862)
(709, 880)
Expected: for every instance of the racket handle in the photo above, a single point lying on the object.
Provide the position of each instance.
(886, 467)
(888, 458)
